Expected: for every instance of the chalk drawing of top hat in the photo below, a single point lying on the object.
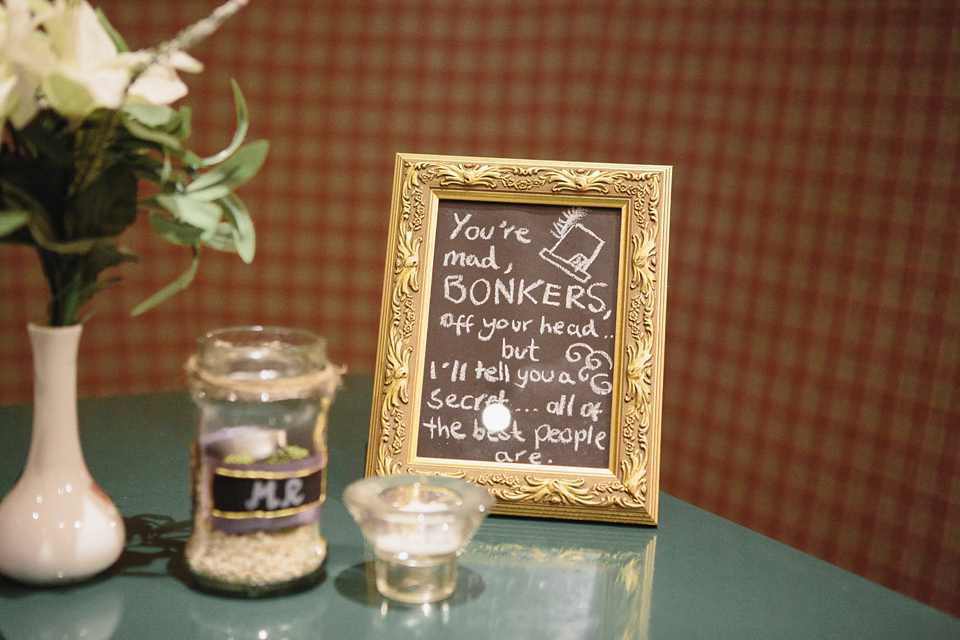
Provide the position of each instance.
(576, 248)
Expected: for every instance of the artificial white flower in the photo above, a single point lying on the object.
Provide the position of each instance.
(90, 72)
(25, 56)
(159, 83)
(87, 74)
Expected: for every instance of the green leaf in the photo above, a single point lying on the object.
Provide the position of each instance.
(243, 119)
(220, 238)
(67, 97)
(204, 215)
(236, 234)
(103, 256)
(167, 171)
(45, 238)
(147, 167)
(244, 237)
(10, 221)
(175, 231)
(210, 194)
(62, 271)
(117, 39)
(92, 146)
(177, 285)
(151, 115)
(51, 139)
(191, 159)
(39, 222)
(105, 207)
(180, 125)
(150, 134)
(236, 169)
(89, 292)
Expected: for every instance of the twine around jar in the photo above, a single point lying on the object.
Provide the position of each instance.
(324, 381)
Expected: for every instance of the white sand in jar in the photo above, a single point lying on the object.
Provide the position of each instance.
(259, 558)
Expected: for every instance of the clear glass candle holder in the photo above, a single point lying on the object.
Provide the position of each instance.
(259, 460)
(417, 526)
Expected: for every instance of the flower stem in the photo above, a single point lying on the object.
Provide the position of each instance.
(193, 34)
(62, 271)
(91, 150)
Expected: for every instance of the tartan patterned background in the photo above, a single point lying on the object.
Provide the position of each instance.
(813, 321)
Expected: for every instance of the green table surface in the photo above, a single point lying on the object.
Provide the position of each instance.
(694, 576)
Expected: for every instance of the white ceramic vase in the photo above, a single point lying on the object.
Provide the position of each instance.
(56, 525)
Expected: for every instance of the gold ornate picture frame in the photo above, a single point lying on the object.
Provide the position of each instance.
(521, 337)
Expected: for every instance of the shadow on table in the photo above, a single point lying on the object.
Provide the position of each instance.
(154, 547)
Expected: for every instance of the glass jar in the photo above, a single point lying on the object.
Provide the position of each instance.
(259, 459)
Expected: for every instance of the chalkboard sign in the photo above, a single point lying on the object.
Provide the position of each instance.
(521, 318)
(521, 340)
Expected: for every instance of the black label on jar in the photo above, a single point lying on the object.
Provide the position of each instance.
(257, 499)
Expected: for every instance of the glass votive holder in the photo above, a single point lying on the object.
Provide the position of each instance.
(259, 459)
(417, 526)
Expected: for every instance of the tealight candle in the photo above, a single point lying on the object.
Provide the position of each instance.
(417, 526)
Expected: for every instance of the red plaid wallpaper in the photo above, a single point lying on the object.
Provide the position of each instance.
(812, 379)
